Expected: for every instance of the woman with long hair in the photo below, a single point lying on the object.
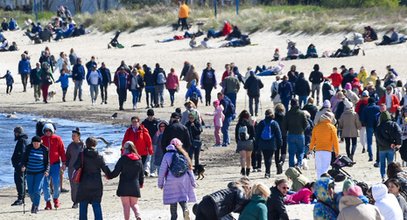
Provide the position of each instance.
(72, 153)
(244, 134)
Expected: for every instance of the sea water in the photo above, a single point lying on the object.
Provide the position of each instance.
(110, 133)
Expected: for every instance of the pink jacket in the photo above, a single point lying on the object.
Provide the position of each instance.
(218, 117)
(302, 196)
(172, 81)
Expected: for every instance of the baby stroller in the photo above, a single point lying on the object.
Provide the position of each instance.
(337, 172)
(114, 42)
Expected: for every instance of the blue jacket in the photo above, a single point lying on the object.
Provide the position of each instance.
(63, 79)
(193, 89)
(78, 72)
(9, 79)
(24, 67)
(106, 76)
(99, 77)
(228, 107)
(370, 116)
(285, 90)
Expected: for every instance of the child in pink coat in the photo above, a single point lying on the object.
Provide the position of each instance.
(218, 117)
(304, 195)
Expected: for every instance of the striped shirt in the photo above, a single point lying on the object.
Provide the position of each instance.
(35, 162)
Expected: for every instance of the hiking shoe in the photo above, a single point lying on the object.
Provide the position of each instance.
(48, 206)
(63, 190)
(279, 168)
(267, 176)
(370, 160)
(56, 203)
(376, 164)
(17, 202)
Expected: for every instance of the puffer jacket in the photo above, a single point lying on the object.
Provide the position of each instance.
(388, 132)
(386, 202)
(299, 180)
(324, 137)
(255, 210)
(350, 124)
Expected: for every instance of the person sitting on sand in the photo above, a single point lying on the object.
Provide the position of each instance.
(370, 34)
(4, 25)
(227, 29)
(241, 42)
(292, 53)
(276, 55)
(12, 25)
(4, 45)
(236, 33)
(324, 191)
(311, 52)
(390, 37)
(344, 51)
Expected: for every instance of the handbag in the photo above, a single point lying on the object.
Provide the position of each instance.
(77, 174)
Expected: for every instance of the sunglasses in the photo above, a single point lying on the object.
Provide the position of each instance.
(286, 188)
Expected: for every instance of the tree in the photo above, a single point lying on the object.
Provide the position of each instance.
(78, 5)
(47, 4)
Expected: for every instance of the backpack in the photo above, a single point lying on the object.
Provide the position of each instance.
(243, 133)
(161, 78)
(266, 133)
(179, 164)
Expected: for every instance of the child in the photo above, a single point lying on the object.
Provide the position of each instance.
(63, 79)
(276, 56)
(218, 117)
(177, 187)
(193, 93)
(304, 195)
(9, 82)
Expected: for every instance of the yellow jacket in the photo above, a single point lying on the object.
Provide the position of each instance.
(362, 76)
(324, 137)
(371, 79)
(141, 72)
(183, 11)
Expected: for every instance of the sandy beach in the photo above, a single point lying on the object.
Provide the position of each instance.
(222, 163)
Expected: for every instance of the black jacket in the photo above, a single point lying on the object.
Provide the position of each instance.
(149, 77)
(151, 126)
(228, 200)
(176, 130)
(348, 78)
(302, 87)
(280, 119)
(311, 109)
(35, 78)
(316, 77)
(19, 150)
(277, 140)
(339, 110)
(275, 205)
(91, 188)
(131, 176)
(253, 86)
(106, 76)
(292, 76)
(387, 133)
(250, 129)
(195, 130)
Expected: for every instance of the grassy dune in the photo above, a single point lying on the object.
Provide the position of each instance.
(284, 19)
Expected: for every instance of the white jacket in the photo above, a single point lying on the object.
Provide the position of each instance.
(387, 203)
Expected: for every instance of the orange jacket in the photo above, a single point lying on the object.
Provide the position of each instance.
(183, 11)
(324, 137)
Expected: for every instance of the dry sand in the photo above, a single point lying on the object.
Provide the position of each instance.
(223, 165)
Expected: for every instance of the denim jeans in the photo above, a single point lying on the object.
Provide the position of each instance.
(172, 95)
(232, 97)
(286, 102)
(383, 156)
(150, 95)
(83, 210)
(78, 89)
(256, 105)
(369, 137)
(34, 184)
(159, 94)
(54, 175)
(225, 129)
(134, 93)
(303, 100)
(296, 147)
(94, 91)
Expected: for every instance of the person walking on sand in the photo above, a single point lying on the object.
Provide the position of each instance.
(56, 156)
(35, 163)
(94, 79)
(208, 82)
(121, 80)
(35, 81)
(90, 189)
(244, 136)
(183, 15)
(106, 81)
(350, 124)
(177, 179)
(231, 87)
(172, 85)
(177, 130)
(24, 68)
(16, 160)
(73, 151)
(285, 91)
(229, 112)
(46, 80)
(78, 75)
(316, 78)
(253, 85)
(135, 83)
(130, 168)
(160, 79)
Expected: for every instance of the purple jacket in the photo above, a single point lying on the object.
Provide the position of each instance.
(176, 189)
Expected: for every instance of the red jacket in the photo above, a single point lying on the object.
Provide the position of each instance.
(227, 29)
(55, 147)
(362, 102)
(141, 140)
(336, 79)
(395, 103)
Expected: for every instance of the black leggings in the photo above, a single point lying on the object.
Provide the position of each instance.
(256, 159)
(173, 209)
(350, 151)
(195, 151)
(208, 92)
(268, 156)
(9, 88)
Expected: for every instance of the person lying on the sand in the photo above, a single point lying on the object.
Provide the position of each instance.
(370, 34)
(227, 29)
(244, 40)
(181, 37)
(4, 45)
(269, 71)
(236, 33)
(204, 43)
(392, 37)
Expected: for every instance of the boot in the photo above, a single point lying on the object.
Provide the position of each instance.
(247, 171)
(48, 206)
(242, 171)
(32, 208)
(35, 210)
(56, 203)
(279, 166)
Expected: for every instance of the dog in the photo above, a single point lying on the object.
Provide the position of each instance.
(199, 170)
(51, 95)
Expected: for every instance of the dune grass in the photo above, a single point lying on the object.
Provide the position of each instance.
(283, 19)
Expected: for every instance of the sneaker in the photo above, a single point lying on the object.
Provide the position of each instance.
(153, 175)
(56, 203)
(224, 145)
(63, 190)
(75, 205)
(186, 215)
(17, 202)
(267, 176)
(48, 206)
(363, 150)
(376, 164)
(259, 170)
(370, 160)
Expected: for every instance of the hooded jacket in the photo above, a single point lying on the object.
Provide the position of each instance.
(130, 168)
(91, 188)
(295, 121)
(386, 202)
(351, 207)
(55, 146)
(299, 180)
(141, 139)
(324, 137)
(255, 210)
(253, 86)
(325, 208)
(349, 123)
(19, 150)
(275, 205)
(388, 132)
(302, 87)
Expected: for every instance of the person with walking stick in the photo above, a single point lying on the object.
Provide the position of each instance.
(19, 150)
